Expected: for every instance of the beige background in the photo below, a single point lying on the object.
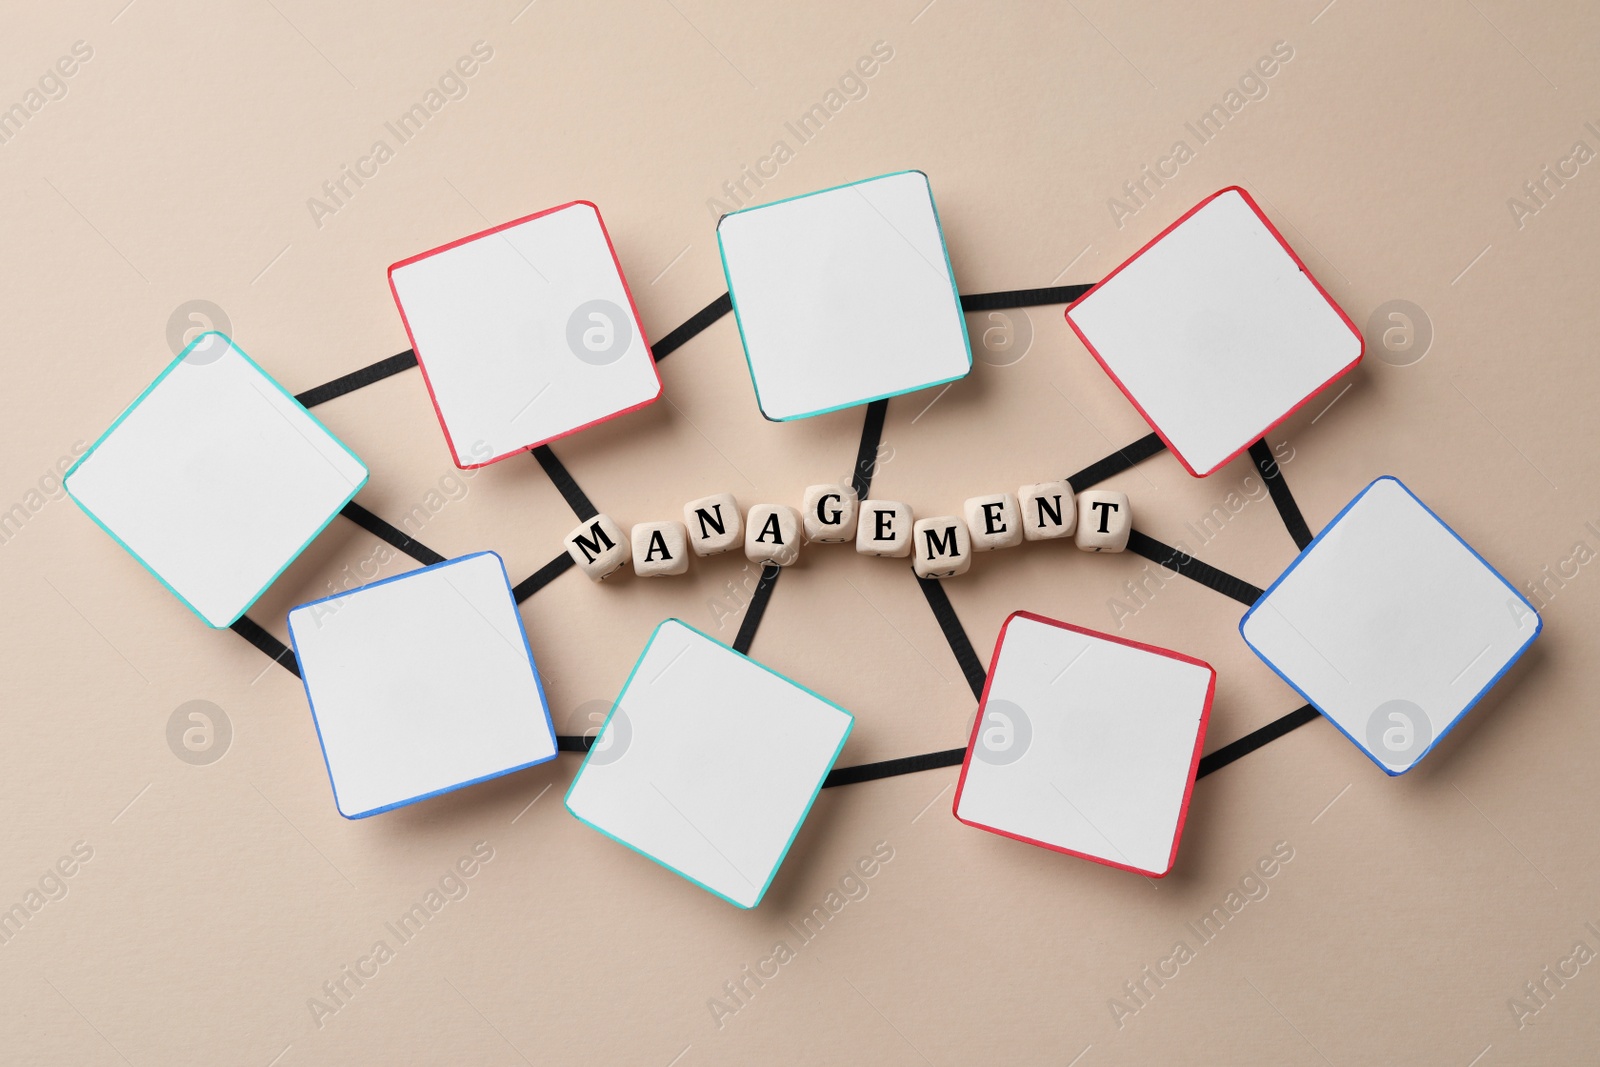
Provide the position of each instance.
(220, 898)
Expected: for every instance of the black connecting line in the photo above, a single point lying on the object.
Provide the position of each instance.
(871, 772)
(1282, 499)
(565, 484)
(756, 608)
(358, 379)
(697, 323)
(866, 459)
(1023, 298)
(1175, 559)
(384, 532)
(1117, 462)
(542, 577)
(944, 613)
(275, 650)
(1256, 739)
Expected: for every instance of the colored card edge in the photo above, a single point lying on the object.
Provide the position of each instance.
(66, 482)
(1361, 342)
(1470, 704)
(305, 683)
(733, 297)
(427, 382)
(783, 853)
(1194, 762)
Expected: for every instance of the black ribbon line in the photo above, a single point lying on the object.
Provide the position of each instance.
(889, 768)
(952, 757)
(677, 338)
(1177, 560)
(542, 577)
(358, 379)
(861, 481)
(1256, 739)
(867, 451)
(281, 654)
(576, 499)
(394, 536)
(1282, 499)
(938, 600)
(1021, 298)
(756, 608)
(275, 650)
(1119, 461)
(697, 323)
(404, 361)
(955, 634)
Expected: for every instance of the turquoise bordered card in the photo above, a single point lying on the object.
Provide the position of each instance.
(215, 479)
(708, 763)
(844, 296)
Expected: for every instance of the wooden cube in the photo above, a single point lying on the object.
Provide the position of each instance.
(1104, 521)
(993, 521)
(942, 547)
(1048, 511)
(829, 512)
(772, 534)
(883, 528)
(598, 547)
(714, 523)
(660, 549)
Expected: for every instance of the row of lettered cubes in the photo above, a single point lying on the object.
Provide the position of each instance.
(1098, 520)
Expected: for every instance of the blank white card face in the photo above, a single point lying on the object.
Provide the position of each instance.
(1216, 331)
(708, 763)
(844, 296)
(1086, 744)
(215, 479)
(525, 333)
(1391, 625)
(420, 684)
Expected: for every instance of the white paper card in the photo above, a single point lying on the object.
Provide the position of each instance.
(215, 479)
(1086, 744)
(1216, 331)
(708, 763)
(844, 296)
(1391, 625)
(421, 684)
(525, 333)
